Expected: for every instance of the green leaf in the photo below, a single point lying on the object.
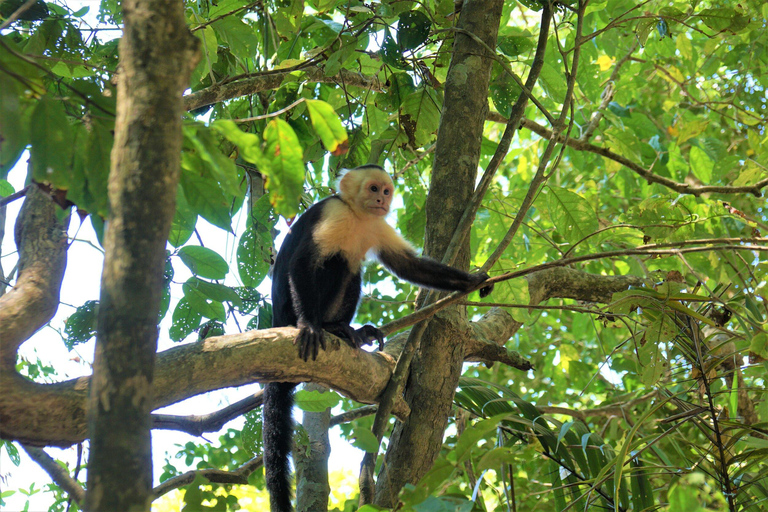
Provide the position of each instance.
(759, 345)
(286, 176)
(254, 255)
(213, 291)
(512, 46)
(248, 144)
(184, 221)
(365, 440)
(52, 143)
(6, 188)
(717, 19)
(13, 454)
(14, 131)
(391, 52)
(185, 320)
(701, 165)
(573, 217)
(690, 129)
(203, 194)
(239, 36)
(81, 325)
(218, 165)
(252, 432)
(420, 116)
(316, 401)
(328, 126)
(504, 93)
(470, 437)
(204, 262)
(496, 458)
(201, 303)
(412, 29)
(210, 47)
(551, 80)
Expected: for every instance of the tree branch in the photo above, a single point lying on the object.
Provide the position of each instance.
(42, 242)
(682, 188)
(197, 425)
(274, 79)
(57, 472)
(216, 476)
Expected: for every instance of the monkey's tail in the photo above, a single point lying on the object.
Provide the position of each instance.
(278, 438)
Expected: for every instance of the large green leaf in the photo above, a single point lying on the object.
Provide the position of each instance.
(52, 144)
(286, 173)
(412, 29)
(328, 126)
(204, 262)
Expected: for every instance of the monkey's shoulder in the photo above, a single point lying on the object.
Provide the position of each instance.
(342, 230)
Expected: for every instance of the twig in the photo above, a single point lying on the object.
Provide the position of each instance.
(218, 476)
(16, 195)
(15, 14)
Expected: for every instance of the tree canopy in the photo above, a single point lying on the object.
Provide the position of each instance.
(603, 160)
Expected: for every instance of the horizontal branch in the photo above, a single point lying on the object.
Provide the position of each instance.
(55, 414)
(273, 80)
(681, 188)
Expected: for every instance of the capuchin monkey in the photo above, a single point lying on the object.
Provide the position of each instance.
(316, 285)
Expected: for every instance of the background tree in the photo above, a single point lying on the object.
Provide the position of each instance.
(618, 209)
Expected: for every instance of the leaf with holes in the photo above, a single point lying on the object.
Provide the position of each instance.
(412, 29)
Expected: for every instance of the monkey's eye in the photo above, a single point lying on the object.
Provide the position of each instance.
(374, 188)
(386, 191)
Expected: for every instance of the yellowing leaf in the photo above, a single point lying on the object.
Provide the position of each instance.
(328, 126)
(690, 130)
(684, 46)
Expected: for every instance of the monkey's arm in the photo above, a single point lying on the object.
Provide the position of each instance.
(405, 264)
(312, 290)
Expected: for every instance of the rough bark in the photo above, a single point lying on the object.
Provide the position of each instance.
(312, 487)
(41, 239)
(415, 443)
(157, 55)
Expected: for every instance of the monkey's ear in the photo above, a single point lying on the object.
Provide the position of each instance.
(347, 183)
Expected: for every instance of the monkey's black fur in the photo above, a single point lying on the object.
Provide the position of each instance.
(317, 293)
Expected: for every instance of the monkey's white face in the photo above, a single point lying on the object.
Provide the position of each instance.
(376, 196)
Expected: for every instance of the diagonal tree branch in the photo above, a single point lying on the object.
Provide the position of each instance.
(42, 241)
(682, 188)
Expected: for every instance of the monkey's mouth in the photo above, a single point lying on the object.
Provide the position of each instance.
(379, 209)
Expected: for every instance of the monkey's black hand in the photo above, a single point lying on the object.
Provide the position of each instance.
(371, 333)
(309, 340)
(485, 290)
(356, 337)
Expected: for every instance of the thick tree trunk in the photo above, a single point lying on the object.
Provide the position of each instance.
(157, 54)
(414, 444)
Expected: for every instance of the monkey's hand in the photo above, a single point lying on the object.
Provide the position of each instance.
(309, 340)
(356, 337)
(479, 278)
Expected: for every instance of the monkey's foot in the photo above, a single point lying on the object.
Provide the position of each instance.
(310, 339)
